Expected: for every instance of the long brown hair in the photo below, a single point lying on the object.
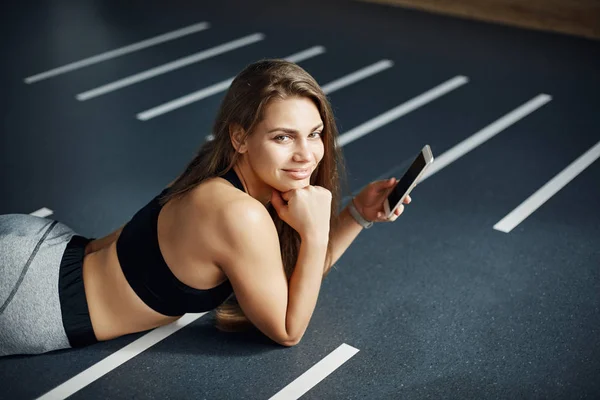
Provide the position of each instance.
(244, 105)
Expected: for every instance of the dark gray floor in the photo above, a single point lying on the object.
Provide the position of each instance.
(439, 304)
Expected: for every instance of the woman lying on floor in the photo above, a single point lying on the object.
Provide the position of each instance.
(250, 228)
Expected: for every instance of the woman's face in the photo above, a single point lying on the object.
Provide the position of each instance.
(286, 146)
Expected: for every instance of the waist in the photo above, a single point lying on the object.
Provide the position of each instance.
(119, 310)
(73, 301)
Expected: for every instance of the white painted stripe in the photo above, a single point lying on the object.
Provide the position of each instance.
(348, 79)
(171, 66)
(119, 357)
(535, 201)
(184, 100)
(306, 54)
(214, 89)
(486, 134)
(316, 374)
(119, 52)
(401, 110)
(356, 76)
(449, 156)
(42, 212)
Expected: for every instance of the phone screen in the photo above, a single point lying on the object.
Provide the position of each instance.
(406, 181)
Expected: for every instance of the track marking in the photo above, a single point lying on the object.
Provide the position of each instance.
(215, 88)
(316, 373)
(171, 66)
(119, 52)
(486, 134)
(42, 212)
(475, 140)
(535, 201)
(117, 358)
(401, 110)
(356, 76)
(347, 80)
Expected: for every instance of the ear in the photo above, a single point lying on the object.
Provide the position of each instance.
(236, 133)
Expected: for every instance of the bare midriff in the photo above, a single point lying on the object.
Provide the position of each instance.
(115, 309)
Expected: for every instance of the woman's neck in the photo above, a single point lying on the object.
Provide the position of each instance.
(252, 184)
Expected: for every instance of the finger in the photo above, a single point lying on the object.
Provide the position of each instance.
(287, 195)
(382, 217)
(407, 199)
(399, 210)
(385, 185)
(386, 191)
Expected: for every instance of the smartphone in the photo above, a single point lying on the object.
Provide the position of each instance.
(408, 181)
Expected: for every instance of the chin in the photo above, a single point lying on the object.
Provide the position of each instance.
(300, 183)
(291, 184)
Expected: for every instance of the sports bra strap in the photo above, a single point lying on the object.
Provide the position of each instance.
(233, 178)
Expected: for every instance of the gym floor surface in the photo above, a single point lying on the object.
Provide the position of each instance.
(488, 285)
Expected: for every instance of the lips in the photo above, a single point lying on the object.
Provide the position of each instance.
(298, 173)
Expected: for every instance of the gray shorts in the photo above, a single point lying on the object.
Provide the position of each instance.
(42, 299)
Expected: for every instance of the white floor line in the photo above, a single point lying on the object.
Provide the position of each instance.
(316, 373)
(215, 88)
(42, 212)
(535, 201)
(356, 76)
(306, 54)
(119, 52)
(119, 357)
(401, 110)
(171, 66)
(443, 160)
(485, 134)
(347, 80)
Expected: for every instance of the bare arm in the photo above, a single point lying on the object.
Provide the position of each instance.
(343, 234)
(347, 228)
(305, 284)
(280, 309)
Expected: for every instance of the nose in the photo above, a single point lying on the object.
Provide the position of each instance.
(302, 151)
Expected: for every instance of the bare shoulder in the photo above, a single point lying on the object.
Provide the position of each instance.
(220, 198)
(245, 222)
(236, 219)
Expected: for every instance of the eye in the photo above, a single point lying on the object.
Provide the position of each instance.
(319, 134)
(281, 138)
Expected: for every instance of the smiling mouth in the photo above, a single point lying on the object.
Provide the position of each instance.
(298, 173)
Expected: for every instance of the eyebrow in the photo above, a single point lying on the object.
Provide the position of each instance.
(288, 130)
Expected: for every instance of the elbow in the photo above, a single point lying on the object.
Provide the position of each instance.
(289, 341)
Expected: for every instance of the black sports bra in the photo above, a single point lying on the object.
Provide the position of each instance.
(149, 275)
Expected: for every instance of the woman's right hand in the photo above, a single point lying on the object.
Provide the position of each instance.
(308, 210)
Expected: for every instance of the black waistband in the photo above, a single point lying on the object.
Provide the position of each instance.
(73, 303)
